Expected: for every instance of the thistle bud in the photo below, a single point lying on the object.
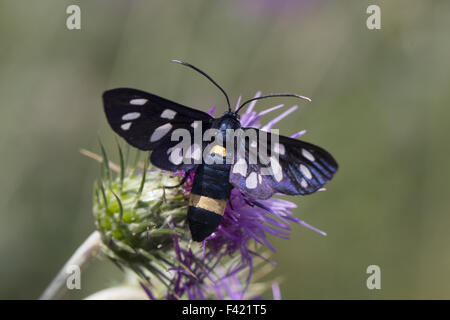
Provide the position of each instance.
(138, 217)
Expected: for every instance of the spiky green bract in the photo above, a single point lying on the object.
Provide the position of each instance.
(137, 218)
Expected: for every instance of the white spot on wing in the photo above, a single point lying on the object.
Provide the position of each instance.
(195, 124)
(176, 156)
(279, 148)
(276, 169)
(240, 167)
(194, 152)
(138, 102)
(259, 178)
(305, 171)
(126, 126)
(131, 116)
(168, 114)
(252, 181)
(308, 155)
(304, 184)
(160, 132)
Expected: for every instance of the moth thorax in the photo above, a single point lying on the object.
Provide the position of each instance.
(219, 150)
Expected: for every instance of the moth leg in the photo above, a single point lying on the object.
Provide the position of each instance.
(231, 205)
(251, 204)
(186, 175)
(260, 205)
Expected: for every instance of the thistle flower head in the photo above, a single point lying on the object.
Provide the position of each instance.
(133, 216)
(144, 228)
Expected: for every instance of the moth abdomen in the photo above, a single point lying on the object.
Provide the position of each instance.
(212, 181)
(208, 199)
(204, 215)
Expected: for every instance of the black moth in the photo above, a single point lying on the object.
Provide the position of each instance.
(147, 122)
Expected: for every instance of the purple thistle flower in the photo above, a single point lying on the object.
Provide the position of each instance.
(212, 272)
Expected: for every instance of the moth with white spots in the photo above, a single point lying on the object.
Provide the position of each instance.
(147, 121)
(289, 166)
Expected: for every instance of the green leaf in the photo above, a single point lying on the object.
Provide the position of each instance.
(122, 165)
(105, 162)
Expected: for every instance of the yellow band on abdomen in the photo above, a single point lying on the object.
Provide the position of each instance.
(207, 203)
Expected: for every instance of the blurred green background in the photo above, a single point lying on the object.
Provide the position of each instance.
(380, 106)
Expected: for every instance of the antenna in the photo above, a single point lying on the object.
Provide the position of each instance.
(274, 95)
(209, 78)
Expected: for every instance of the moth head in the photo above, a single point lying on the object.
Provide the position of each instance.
(231, 114)
(229, 120)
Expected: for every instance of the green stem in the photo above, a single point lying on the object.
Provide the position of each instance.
(80, 258)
